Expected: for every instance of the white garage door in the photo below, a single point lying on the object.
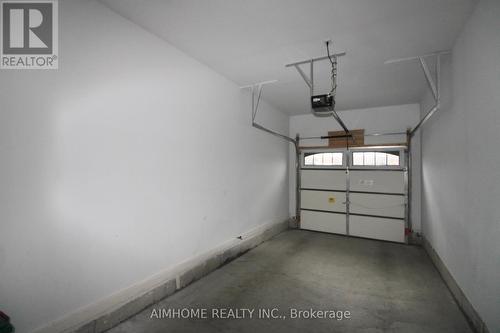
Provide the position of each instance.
(360, 192)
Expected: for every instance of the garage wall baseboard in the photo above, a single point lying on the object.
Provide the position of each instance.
(118, 307)
(470, 313)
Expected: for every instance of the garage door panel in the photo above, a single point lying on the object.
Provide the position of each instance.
(377, 181)
(323, 200)
(377, 204)
(376, 195)
(321, 221)
(323, 179)
(377, 228)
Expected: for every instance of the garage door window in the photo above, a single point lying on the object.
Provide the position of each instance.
(323, 159)
(376, 158)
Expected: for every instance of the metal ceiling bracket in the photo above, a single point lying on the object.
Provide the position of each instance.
(432, 54)
(341, 54)
(428, 77)
(256, 97)
(304, 76)
(309, 80)
(433, 83)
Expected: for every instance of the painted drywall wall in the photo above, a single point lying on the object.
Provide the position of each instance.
(130, 158)
(460, 173)
(395, 118)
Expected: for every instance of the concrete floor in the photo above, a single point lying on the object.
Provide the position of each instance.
(386, 287)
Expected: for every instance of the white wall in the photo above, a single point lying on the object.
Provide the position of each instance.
(130, 158)
(460, 164)
(395, 118)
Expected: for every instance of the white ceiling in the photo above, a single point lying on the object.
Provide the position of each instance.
(250, 41)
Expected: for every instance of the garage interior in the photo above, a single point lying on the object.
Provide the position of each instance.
(253, 166)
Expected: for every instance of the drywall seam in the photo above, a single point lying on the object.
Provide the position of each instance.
(116, 308)
(473, 317)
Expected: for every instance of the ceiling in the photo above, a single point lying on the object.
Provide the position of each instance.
(251, 41)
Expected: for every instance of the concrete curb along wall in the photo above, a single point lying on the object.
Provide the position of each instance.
(471, 314)
(122, 305)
